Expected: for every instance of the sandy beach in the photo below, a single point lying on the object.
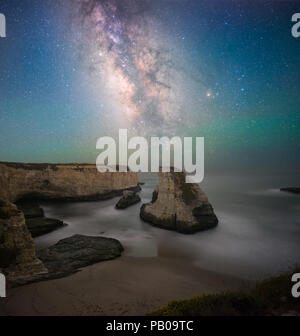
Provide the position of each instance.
(124, 286)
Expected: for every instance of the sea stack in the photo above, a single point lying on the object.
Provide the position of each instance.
(180, 206)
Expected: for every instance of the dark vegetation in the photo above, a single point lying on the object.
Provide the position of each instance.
(269, 297)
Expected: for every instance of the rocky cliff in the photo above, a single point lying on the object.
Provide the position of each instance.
(61, 181)
(19, 261)
(17, 251)
(20, 181)
(179, 206)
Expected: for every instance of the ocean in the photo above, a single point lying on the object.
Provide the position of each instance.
(258, 233)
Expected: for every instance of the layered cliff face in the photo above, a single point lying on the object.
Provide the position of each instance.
(179, 206)
(61, 181)
(17, 251)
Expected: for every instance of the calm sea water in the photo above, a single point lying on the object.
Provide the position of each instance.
(258, 232)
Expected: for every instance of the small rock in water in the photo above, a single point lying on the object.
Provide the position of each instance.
(37, 224)
(42, 225)
(129, 198)
(293, 190)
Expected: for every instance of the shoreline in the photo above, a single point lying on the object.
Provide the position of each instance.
(125, 286)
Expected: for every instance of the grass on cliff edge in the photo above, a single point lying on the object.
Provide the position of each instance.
(269, 297)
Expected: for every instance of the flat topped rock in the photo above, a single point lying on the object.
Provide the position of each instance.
(293, 190)
(70, 254)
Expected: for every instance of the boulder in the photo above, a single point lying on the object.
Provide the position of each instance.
(70, 254)
(129, 198)
(179, 206)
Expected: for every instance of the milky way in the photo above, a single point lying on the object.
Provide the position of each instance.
(72, 71)
(126, 52)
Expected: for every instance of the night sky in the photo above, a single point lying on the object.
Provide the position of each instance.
(72, 71)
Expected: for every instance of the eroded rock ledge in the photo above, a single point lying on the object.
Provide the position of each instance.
(179, 206)
(35, 220)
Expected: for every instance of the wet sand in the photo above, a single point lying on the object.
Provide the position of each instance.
(124, 286)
